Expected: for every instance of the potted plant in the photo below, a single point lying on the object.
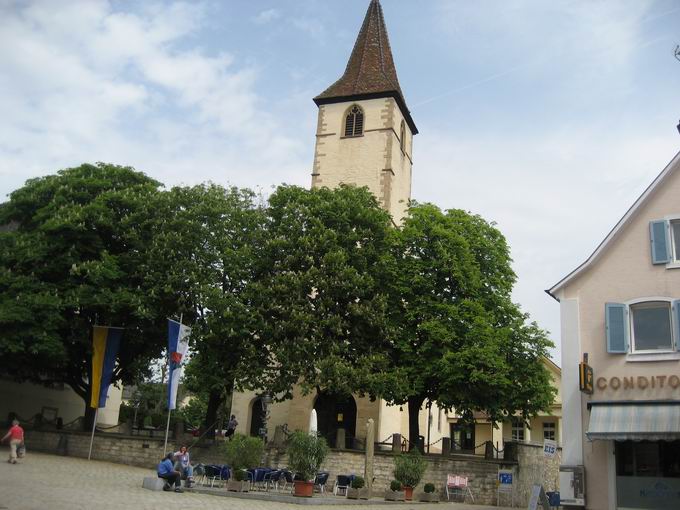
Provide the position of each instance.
(429, 495)
(357, 490)
(242, 452)
(306, 452)
(409, 469)
(395, 492)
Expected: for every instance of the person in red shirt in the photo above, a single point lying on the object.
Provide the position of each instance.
(16, 438)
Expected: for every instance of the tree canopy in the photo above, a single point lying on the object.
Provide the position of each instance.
(72, 255)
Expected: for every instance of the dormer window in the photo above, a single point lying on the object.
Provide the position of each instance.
(354, 122)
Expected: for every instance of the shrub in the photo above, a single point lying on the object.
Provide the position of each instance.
(243, 452)
(395, 485)
(358, 482)
(306, 452)
(429, 488)
(240, 475)
(409, 468)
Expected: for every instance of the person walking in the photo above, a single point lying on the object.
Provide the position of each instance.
(166, 471)
(16, 439)
(184, 464)
(231, 427)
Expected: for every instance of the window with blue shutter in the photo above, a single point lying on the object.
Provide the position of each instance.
(616, 320)
(658, 232)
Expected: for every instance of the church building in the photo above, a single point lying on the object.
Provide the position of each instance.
(364, 137)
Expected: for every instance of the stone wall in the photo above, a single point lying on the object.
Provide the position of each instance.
(532, 467)
(535, 468)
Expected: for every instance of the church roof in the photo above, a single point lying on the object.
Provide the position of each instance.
(370, 72)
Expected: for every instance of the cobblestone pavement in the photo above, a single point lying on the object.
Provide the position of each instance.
(49, 482)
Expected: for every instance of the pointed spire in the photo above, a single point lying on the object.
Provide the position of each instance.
(370, 71)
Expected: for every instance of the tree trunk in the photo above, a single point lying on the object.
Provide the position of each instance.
(414, 405)
(214, 401)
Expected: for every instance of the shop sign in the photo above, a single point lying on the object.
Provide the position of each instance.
(640, 382)
(585, 378)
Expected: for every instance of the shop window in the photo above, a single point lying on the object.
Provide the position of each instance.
(550, 430)
(518, 430)
(645, 327)
(648, 458)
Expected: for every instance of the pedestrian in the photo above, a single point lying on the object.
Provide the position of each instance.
(166, 471)
(184, 464)
(231, 427)
(16, 440)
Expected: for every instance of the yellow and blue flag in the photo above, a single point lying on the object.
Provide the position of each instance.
(105, 344)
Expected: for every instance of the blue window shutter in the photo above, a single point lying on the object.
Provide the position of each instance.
(658, 232)
(676, 320)
(617, 325)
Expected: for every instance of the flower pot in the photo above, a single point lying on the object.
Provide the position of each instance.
(408, 493)
(363, 493)
(394, 495)
(303, 489)
(238, 486)
(428, 497)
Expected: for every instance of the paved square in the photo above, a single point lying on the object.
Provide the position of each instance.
(50, 482)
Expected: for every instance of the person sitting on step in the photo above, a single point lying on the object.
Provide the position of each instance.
(166, 471)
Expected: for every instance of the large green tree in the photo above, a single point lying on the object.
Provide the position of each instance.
(456, 337)
(205, 253)
(317, 294)
(72, 253)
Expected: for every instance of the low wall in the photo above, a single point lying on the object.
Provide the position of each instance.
(532, 467)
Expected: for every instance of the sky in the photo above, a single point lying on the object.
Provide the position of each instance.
(547, 118)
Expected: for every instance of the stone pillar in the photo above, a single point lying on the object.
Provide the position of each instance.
(340, 439)
(396, 443)
(370, 444)
(446, 445)
(488, 451)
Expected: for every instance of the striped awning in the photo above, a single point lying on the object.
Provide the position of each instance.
(634, 420)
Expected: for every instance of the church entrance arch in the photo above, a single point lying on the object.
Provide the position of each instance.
(256, 417)
(333, 412)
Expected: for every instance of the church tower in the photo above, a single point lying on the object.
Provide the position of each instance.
(364, 131)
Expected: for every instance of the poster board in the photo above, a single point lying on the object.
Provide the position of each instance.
(538, 499)
(549, 448)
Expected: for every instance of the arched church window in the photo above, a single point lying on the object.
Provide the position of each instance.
(402, 137)
(354, 122)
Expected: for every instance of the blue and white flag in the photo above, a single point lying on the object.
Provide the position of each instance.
(178, 343)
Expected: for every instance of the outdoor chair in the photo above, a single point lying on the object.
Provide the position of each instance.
(258, 477)
(216, 473)
(320, 481)
(286, 478)
(272, 478)
(342, 483)
(458, 486)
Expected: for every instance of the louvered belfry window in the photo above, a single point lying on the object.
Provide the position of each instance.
(354, 122)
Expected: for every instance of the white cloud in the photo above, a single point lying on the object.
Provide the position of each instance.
(554, 199)
(84, 82)
(267, 16)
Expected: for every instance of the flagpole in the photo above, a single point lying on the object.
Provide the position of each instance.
(94, 424)
(167, 426)
(167, 430)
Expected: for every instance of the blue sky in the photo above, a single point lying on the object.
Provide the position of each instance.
(549, 118)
